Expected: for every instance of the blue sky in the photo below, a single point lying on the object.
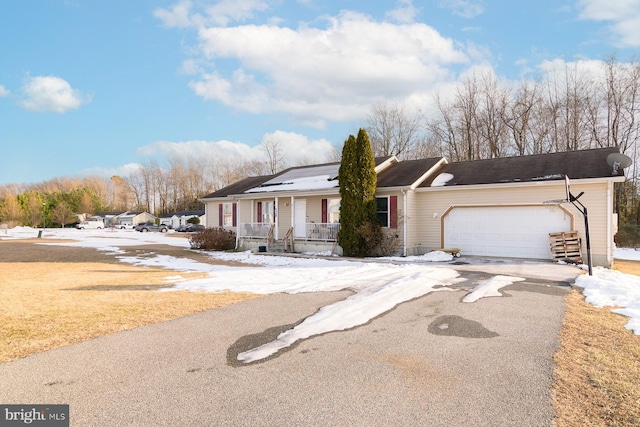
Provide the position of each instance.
(97, 87)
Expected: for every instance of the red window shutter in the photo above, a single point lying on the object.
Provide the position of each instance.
(220, 213)
(393, 212)
(324, 211)
(235, 214)
(259, 212)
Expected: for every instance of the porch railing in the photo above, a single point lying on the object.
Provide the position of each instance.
(255, 230)
(313, 231)
(327, 232)
(270, 237)
(288, 240)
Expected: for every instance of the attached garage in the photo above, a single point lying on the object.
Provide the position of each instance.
(504, 231)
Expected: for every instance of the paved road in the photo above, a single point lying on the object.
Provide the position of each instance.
(432, 361)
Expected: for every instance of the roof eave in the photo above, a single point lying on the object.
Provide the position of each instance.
(287, 193)
(523, 183)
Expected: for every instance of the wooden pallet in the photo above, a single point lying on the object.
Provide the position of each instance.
(565, 246)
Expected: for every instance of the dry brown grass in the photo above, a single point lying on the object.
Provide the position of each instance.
(44, 305)
(54, 296)
(597, 367)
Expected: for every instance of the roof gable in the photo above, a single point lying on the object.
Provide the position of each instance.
(581, 164)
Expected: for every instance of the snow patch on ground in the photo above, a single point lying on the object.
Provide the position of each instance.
(611, 288)
(490, 287)
(378, 284)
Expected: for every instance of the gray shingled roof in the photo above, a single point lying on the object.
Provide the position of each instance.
(541, 167)
(405, 173)
(297, 171)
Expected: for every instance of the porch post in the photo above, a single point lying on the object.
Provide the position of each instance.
(404, 223)
(293, 211)
(275, 217)
(237, 223)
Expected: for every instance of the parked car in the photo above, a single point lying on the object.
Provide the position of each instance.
(90, 224)
(122, 226)
(143, 227)
(187, 228)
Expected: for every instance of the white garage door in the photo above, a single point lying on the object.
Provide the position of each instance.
(514, 232)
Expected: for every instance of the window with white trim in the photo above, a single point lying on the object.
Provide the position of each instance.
(333, 211)
(227, 214)
(267, 212)
(382, 210)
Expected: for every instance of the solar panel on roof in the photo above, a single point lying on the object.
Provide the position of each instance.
(306, 172)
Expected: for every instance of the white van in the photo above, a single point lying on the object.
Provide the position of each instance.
(90, 224)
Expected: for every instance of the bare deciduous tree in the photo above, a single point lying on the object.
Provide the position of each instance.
(519, 117)
(272, 147)
(62, 214)
(393, 130)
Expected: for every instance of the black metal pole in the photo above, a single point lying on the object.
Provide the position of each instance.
(583, 210)
(586, 232)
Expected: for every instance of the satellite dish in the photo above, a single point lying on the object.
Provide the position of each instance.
(618, 161)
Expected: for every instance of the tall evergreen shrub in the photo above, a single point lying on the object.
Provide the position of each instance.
(357, 177)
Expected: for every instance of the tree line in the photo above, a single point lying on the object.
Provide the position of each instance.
(158, 189)
(573, 107)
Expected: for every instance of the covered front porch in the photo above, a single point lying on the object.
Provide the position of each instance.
(304, 237)
(300, 223)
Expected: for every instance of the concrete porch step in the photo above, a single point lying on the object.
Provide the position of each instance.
(276, 247)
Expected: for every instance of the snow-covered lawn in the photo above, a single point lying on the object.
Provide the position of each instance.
(377, 285)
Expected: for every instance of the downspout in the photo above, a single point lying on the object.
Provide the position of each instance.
(404, 222)
(237, 224)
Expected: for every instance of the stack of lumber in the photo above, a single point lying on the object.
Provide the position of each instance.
(565, 246)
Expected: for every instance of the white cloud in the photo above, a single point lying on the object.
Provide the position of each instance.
(226, 11)
(295, 147)
(222, 13)
(178, 16)
(124, 170)
(191, 67)
(50, 93)
(406, 12)
(624, 16)
(189, 149)
(4, 92)
(320, 74)
(464, 8)
(557, 69)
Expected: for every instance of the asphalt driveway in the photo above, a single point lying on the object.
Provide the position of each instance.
(431, 361)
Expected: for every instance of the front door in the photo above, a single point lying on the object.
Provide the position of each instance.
(300, 218)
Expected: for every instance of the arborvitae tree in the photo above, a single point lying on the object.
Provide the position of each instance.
(357, 177)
